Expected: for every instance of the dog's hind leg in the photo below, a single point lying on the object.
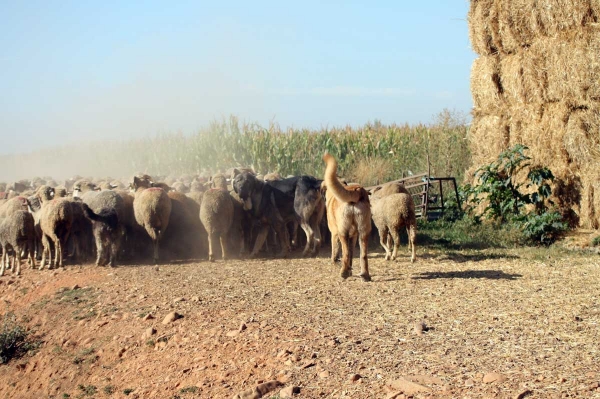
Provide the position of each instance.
(346, 270)
(335, 248)
(364, 261)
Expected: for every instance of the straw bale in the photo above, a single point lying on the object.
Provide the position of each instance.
(519, 119)
(534, 78)
(488, 137)
(573, 67)
(582, 136)
(560, 15)
(545, 138)
(590, 198)
(486, 85)
(518, 23)
(483, 26)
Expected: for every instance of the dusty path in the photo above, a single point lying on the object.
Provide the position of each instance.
(530, 318)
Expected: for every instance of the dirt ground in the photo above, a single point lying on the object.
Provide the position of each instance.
(455, 324)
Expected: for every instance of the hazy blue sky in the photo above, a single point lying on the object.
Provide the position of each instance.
(72, 70)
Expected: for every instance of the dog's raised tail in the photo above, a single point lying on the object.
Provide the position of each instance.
(333, 183)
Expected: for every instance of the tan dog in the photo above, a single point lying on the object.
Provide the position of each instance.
(348, 217)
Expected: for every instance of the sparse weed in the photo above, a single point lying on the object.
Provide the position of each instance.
(190, 389)
(14, 339)
(87, 390)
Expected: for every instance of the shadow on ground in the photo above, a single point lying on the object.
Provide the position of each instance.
(482, 274)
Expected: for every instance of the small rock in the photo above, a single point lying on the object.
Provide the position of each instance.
(102, 323)
(232, 333)
(148, 333)
(324, 374)
(180, 299)
(171, 317)
(284, 353)
(308, 364)
(243, 327)
(419, 328)
(87, 341)
(258, 391)
(396, 395)
(148, 317)
(523, 394)
(142, 296)
(493, 377)
(75, 287)
(289, 392)
(195, 299)
(355, 377)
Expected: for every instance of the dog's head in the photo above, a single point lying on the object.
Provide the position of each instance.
(244, 185)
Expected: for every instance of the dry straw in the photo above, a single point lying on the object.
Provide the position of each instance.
(483, 22)
(486, 85)
(537, 82)
(582, 136)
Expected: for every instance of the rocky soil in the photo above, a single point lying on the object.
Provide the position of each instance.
(468, 324)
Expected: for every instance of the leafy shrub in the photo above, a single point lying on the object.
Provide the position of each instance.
(14, 339)
(544, 228)
(504, 197)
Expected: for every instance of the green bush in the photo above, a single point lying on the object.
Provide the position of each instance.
(505, 196)
(544, 228)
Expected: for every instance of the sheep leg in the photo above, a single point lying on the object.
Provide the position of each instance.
(294, 237)
(223, 241)
(310, 236)
(346, 270)
(155, 244)
(317, 238)
(57, 252)
(412, 236)
(284, 239)
(260, 240)
(45, 252)
(383, 238)
(3, 264)
(17, 259)
(100, 251)
(114, 251)
(364, 261)
(396, 242)
(211, 239)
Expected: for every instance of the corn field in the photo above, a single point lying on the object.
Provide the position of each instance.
(385, 152)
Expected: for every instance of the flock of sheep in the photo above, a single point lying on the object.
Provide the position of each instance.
(186, 217)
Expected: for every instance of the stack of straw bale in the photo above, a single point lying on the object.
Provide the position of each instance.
(537, 82)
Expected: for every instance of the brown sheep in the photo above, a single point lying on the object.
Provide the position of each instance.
(180, 187)
(82, 186)
(106, 210)
(390, 213)
(55, 221)
(12, 205)
(218, 181)
(216, 214)
(17, 232)
(152, 209)
(60, 192)
(388, 188)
